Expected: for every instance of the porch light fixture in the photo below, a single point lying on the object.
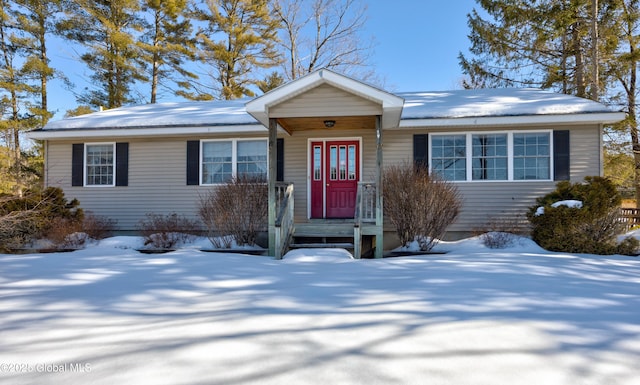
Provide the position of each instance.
(329, 123)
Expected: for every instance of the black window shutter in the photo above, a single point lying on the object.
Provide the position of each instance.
(561, 155)
(122, 164)
(280, 160)
(421, 150)
(77, 164)
(193, 162)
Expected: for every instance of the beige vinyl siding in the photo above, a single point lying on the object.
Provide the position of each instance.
(325, 100)
(296, 166)
(485, 200)
(157, 181)
(586, 152)
(157, 175)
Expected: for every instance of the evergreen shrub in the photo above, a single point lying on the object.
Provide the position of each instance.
(592, 228)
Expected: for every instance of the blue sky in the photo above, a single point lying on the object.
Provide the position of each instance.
(417, 45)
(418, 42)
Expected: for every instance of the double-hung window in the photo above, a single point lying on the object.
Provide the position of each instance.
(531, 156)
(223, 159)
(449, 156)
(503, 156)
(100, 164)
(489, 157)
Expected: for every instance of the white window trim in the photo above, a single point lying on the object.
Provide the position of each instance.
(234, 156)
(510, 134)
(86, 166)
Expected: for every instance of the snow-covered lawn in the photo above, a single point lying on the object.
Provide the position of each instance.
(110, 315)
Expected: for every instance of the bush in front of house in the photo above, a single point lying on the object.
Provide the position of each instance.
(503, 231)
(164, 232)
(98, 226)
(36, 215)
(589, 227)
(66, 233)
(236, 210)
(16, 229)
(420, 206)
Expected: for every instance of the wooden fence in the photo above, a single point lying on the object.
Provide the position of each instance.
(630, 217)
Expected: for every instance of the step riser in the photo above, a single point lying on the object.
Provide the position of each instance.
(321, 246)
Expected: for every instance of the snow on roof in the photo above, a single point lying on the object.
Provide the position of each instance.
(494, 102)
(211, 113)
(418, 105)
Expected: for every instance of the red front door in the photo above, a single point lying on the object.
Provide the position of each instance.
(335, 172)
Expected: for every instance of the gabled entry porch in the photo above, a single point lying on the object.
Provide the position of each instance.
(328, 130)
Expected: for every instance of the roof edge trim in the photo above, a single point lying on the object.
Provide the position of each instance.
(596, 117)
(154, 131)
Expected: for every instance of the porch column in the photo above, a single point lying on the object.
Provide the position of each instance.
(379, 201)
(273, 160)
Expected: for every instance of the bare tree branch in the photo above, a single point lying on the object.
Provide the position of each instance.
(323, 34)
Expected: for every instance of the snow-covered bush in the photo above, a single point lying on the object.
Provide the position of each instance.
(503, 231)
(580, 218)
(166, 231)
(419, 205)
(238, 208)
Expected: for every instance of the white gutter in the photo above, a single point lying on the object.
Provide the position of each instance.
(141, 132)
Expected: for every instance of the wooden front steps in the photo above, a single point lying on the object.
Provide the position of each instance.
(327, 234)
(323, 234)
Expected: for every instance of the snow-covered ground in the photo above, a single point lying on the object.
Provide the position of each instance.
(110, 315)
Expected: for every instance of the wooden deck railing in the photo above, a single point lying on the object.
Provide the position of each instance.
(365, 213)
(630, 217)
(284, 219)
(365, 203)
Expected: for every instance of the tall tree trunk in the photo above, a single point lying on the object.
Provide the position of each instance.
(156, 58)
(633, 125)
(579, 58)
(14, 119)
(630, 17)
(595, 56)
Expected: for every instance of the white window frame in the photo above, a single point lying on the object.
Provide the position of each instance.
(470, 156)
(85, 165)
(551, 152)
(510, 156)
(466, 151)
(234, 156)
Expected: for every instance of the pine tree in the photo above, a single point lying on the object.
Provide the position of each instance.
(107, 31)
(167, 44)
(238, 41)
(24, 73)
(589, 48)
(624, 69)
(11, 88)
(15, 90)
(543, 44)
(36, 20)
(271, 81)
